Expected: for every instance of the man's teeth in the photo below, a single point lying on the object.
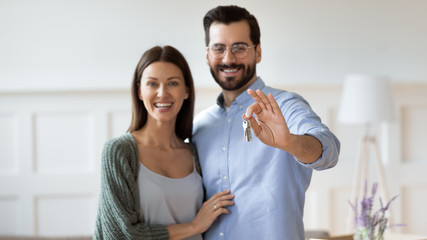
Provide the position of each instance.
(162, 105)
(230, 70)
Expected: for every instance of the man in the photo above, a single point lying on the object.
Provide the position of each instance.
(270, 174)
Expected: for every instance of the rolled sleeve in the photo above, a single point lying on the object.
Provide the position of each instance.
(330, 151)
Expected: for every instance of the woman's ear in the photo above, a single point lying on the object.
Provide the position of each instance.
(139, 92)
(187, 93)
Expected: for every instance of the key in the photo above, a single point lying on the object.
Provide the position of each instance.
(247, 135)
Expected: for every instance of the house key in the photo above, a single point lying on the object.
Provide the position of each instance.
(247, 135)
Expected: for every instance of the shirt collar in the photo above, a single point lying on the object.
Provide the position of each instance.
(244, 97)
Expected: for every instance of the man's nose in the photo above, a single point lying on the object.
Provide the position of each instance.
(228, 57)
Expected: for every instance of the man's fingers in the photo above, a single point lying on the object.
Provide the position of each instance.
(257, 97)
(253, 108)
(264, 99)
(273, 103)
(255, 127)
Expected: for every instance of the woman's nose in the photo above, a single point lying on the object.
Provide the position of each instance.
(162, 90)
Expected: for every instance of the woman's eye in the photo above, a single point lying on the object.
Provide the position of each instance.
(173, 84)
(151, 84)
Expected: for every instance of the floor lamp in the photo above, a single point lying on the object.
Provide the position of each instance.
(367, 101)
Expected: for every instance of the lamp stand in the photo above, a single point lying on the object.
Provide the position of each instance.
(362, 171)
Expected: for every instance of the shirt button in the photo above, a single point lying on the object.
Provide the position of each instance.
(224, 148)
(229, 120)
(240, 106)
(224, 178)
(221, 234)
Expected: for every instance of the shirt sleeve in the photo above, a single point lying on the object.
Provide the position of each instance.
(118, 215)
(302, 120)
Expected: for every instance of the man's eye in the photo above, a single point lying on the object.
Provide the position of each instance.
(239, 48)
(218, 49)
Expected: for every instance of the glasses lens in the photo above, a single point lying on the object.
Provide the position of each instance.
(240, 50)
(217, 51)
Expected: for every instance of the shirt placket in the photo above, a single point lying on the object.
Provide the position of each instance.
(224, 175)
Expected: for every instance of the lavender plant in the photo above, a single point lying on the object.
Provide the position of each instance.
(368, 226)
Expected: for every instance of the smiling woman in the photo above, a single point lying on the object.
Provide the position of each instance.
(151, 185)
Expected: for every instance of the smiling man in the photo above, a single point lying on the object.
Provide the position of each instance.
(270, 174)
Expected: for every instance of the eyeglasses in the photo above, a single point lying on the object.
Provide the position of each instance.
(239, 50)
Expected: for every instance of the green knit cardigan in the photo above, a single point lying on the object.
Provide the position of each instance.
(119, 205)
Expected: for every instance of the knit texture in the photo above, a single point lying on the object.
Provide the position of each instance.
(119, 205)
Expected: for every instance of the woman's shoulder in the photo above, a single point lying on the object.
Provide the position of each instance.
(120, 149)
(121, 142)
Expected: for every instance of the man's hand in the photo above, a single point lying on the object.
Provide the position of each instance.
(271, 129)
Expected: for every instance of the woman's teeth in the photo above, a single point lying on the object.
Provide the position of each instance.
(162, 105)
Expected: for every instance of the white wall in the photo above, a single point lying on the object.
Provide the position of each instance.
(81, 47)
(90, 44)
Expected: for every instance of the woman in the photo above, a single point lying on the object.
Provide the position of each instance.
(151, 188)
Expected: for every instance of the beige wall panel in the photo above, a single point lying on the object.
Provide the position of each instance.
(339, 210)
(8, 143)
(63, 142)
(9, 212)
(118, 122)
(414, 213)
(310, 213)
(65, 215)
(414, 130)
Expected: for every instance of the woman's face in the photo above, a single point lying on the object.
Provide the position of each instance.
(163, 91)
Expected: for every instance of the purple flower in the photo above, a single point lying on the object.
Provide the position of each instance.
(372, 225)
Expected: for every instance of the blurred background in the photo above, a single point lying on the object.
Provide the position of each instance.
(66, 68)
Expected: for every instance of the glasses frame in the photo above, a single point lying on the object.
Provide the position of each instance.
(223, 54)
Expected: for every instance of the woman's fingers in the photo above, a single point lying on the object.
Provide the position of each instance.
(220, 200)
(222, 204)
(211, 209)
(218, 195)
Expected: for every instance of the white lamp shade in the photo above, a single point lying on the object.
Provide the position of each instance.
(366, 100)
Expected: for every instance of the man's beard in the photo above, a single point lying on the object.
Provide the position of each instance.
(230, 84)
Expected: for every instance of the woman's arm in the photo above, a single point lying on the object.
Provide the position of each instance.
(118, 210)
(210, 210)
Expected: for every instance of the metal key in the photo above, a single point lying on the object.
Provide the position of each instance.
(247, 135)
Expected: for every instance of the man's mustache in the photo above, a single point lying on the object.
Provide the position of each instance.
(225, 66)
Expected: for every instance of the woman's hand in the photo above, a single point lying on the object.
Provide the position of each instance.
(211, 209)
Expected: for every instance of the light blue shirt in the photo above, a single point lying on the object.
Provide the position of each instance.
(269, 184)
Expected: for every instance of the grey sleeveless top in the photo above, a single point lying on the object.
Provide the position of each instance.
(167, 200)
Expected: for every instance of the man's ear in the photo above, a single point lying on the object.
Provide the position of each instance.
(258, 53)
(207, 57)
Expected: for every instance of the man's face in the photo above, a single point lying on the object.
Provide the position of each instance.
(231, 71)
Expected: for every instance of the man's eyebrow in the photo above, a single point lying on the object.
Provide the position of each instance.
(245, 43)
